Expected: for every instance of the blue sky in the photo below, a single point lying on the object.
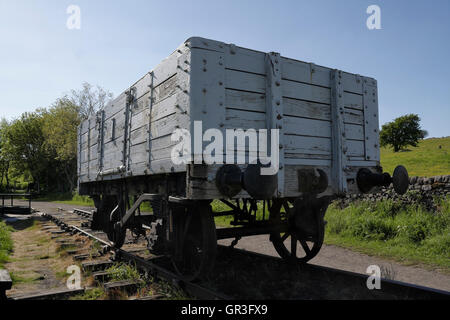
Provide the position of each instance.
(119, 41)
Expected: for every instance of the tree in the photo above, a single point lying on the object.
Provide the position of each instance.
(4, 156)
(42, 145)
(60, 125)
(402, 132)
(90, 99)
(24, 144)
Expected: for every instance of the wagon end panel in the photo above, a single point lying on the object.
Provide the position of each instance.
(324, 123)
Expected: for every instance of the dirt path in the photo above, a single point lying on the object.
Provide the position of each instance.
(330, 256)
(36, 264)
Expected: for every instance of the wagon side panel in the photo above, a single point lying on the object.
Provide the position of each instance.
(133, 137)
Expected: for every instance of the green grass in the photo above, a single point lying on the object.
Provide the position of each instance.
(224, 221)
(408, 234)
(405, 233)
(6, 243)
(75, 199)
(425, 160)
(90, 294)
(17, 278)
(67, 198)
(124, 271)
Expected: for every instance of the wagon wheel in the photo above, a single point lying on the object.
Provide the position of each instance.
(115, 234)
(97, 223)
(306, 228)
(195, 242)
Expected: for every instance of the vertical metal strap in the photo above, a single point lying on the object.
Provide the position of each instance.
(89, 148)
(126, 159)
(130, 115)
(371, 130)
(80, 130)
(274, 110)
(101, 140)
(125, 131)
(338, 142)
(149, 128)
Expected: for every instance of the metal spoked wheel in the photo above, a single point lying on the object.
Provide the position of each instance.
(306, 227)
(195, 242)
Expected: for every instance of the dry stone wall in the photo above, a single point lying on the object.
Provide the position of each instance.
(425, 191)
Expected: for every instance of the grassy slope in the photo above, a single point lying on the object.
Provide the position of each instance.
(425, 160)
(358, 228)
(408, 234)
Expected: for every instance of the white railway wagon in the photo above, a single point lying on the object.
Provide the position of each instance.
(327, 122)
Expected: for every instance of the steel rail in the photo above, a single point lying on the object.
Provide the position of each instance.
(191, 288)
(388, 287)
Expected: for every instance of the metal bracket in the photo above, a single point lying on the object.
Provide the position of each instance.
(371, 134)
(149, 130)
(181, 201)
(89, 148)
(274, 110)
(338, 141)
(80, 160)
(127, 128)
(100, 140)
(142, 198)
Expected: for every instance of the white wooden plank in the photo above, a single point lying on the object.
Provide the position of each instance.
(354, 132)
(307, 145)
(239, 58)
(354, 101)
(298, 90)
(245, 100)
(250, 101)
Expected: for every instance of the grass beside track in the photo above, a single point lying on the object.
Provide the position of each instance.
(431, 157)
(67, 198)
(6, 243)
(146, 286)
(408, 234)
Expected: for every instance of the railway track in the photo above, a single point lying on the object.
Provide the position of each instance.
(64, 220)
(241, 274)
(353, 285)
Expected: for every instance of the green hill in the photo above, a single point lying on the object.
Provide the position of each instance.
(430, 158)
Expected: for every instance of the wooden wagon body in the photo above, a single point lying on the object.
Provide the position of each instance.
(327, 119)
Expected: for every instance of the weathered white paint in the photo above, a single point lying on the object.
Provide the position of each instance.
(326, 122)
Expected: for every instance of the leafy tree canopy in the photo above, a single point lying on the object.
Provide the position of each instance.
(43, 143)
(402, 132)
